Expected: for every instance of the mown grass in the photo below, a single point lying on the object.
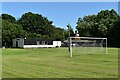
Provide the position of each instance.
(56, 63)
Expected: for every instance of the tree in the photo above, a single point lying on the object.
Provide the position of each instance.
(82, 28)
(39, 25)
(58, 34)
(104, 24)
(9, 18)
(9, 32)
(97, 25)
(113, 35)
(106, 20)
(35, 23)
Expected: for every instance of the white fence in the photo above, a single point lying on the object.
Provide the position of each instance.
(37, 46)
(55, 44)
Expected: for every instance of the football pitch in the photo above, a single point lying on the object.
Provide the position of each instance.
(57, 63)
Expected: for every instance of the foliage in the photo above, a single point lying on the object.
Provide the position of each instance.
(104, 24)
(113, 35)
(97, 25)
(38, 26)
(35, 23)
(9, 32)
(8, 18)
(31, 25)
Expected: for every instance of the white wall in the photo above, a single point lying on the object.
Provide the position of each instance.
(37, 46)
(57, 43)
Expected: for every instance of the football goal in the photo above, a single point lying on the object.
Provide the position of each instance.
(85, 45)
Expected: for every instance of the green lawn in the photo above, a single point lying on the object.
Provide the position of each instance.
(57, 63)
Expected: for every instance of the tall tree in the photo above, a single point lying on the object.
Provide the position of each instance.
(35, 23)
(106, 20)
(8, 18)
(9, 32)
(82, 28)
(113, 35)
(97, 25)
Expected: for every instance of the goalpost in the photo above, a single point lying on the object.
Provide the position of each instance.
(87, 45)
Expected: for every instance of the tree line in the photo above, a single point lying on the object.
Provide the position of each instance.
(30, 25)
(104, 24)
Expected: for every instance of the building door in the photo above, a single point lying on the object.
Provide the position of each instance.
(17, 44)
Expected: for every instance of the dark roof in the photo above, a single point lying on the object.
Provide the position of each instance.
(34, 41)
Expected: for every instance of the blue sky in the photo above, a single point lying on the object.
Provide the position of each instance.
(61, 13)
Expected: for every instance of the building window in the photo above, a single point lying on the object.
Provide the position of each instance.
(43, 42)
(46, 43)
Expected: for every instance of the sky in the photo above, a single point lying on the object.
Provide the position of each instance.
(61, 13)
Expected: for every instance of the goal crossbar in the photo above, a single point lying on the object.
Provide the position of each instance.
(89, 37)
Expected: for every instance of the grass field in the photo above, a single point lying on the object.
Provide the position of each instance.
(56, 63)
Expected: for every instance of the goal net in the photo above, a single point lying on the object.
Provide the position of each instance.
(86, 45)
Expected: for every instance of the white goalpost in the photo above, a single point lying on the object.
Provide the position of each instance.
(87, 45)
